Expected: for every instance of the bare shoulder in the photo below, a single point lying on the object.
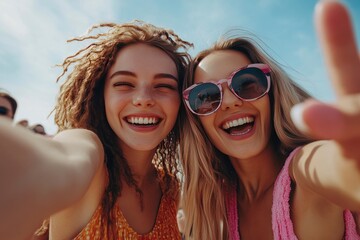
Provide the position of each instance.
(308, 150)
(310, 170)
(313, 213)
(306, 158)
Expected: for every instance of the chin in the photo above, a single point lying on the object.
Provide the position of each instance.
(144, 148)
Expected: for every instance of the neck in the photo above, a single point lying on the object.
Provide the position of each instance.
(257, 175)
(140, 163)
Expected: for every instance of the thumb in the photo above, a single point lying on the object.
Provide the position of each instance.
(340, 121)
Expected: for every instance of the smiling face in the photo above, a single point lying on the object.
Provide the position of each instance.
(238, 128)
(141, 96)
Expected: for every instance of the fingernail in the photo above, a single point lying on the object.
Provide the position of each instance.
(296, 114)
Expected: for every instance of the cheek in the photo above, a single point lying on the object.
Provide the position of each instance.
(113, 105)
(171, 102)
(113, 99)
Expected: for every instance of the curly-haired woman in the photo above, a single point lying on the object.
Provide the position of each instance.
(112, 170)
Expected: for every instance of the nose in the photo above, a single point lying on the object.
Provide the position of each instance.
(229, 99)
(143, 97)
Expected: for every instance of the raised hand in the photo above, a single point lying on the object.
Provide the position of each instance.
(341, 120)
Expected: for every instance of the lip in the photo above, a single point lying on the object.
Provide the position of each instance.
(243, 117)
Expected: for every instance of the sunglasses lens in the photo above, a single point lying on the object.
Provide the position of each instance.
(204, 98)
(249, 83)
(3, 110)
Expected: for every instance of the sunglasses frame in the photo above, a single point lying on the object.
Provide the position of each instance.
(262, 66)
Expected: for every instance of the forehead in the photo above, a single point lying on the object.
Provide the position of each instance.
(219, 65)
(145, 58)
(5, 103)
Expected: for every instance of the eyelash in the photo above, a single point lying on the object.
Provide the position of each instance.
(118, 84)
(166, 86)
(127, 84)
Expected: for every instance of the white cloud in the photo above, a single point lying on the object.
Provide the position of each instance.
(34, 35)
(11, 21)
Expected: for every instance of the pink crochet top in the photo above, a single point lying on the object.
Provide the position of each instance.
(281, 222)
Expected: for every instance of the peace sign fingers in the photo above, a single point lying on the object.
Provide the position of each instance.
(341, 120)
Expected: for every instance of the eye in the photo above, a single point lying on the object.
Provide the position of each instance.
(166, 86)
(121, 85)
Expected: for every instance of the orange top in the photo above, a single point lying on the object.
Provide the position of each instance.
(165, 225)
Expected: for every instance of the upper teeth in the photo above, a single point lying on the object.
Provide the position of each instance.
(143, 120)
(237, 122)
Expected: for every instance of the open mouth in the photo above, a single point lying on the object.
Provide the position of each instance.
(238, 126)
(143, 121)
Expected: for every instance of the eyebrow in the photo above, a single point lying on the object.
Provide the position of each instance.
(128, 73)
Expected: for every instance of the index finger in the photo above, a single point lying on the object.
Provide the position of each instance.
(338, 43)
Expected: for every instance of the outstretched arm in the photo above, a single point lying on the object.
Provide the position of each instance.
(40, 176)
(332, 168)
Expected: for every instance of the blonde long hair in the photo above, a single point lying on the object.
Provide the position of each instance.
(81, 102)
(208, 172)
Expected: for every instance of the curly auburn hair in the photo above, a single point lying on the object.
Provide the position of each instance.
(81, 102)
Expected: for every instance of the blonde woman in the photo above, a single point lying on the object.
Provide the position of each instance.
(111, 172)
(261, 177)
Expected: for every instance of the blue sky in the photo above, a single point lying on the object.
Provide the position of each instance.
(33, 36)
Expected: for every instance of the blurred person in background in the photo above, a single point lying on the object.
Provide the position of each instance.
(8, 105)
